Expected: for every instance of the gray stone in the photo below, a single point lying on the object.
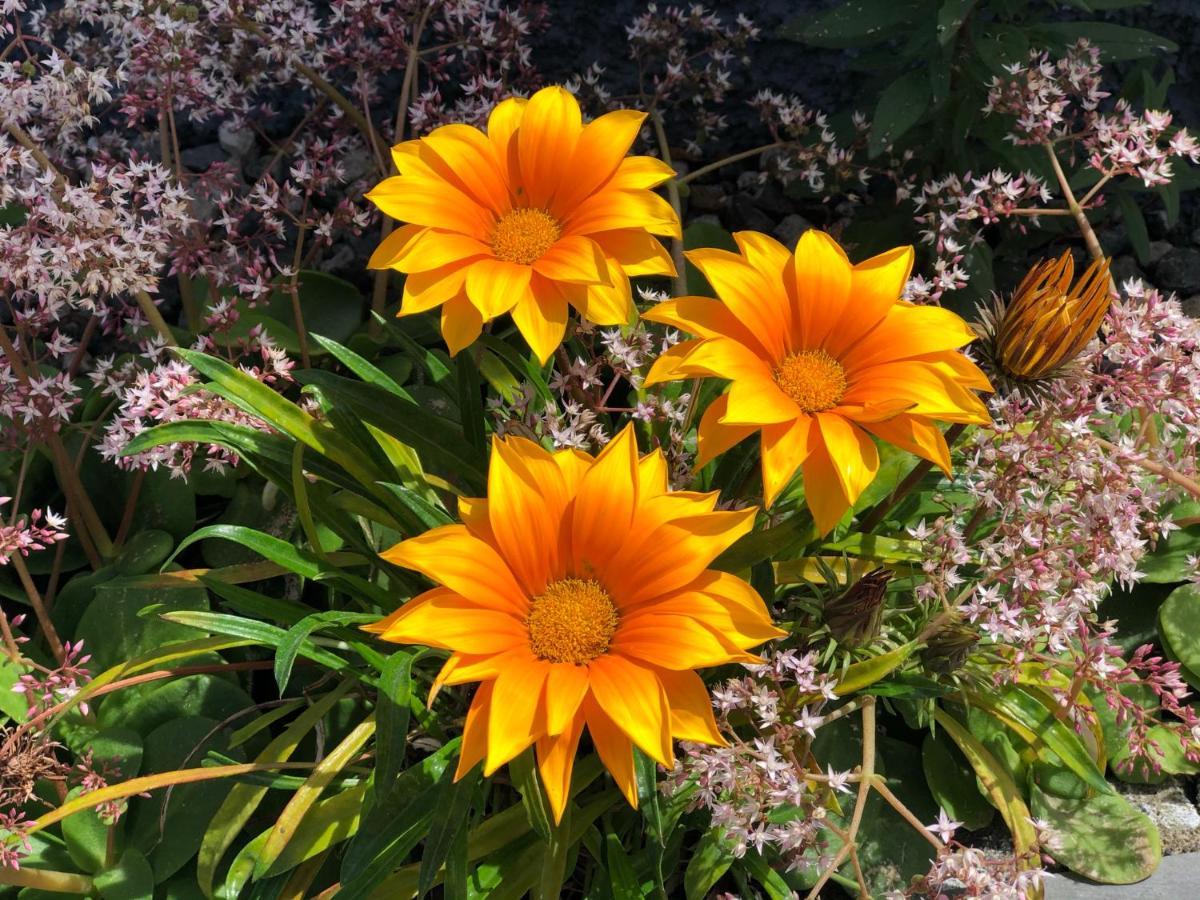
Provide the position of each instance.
(343, 259)
(770, 199)
(1191, 306)
(357, 163)
(1179, 271)
(1114, 239)
(198, 159)
(708, 219)
(1158, 249)
(747, 215)
(238, 142)
(708, 197)
(1168, 807)
(789, 230)
(1126, 267)
(1176, 879)
(1196, 236)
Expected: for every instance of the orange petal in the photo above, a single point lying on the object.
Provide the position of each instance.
(566, 686)
(431, 201)
(908, 331)
(758, 401)
(432, 249)
(932, 392)
(602, 145)
(649, 566)
(573, 258)
(503, 123)
(525, 525)
(764, 253)
(393, 246)
(652, 476)
(671, 641)
(632, 696)
(517, 711)
(759, 303)
(640, 173)
(614, 747)
(424, 291)
(823, 490)
(453, 623)
(469, 158)
(726, 604)
(609, 210)
(705, 317)
(875, 286)
(467, 668)
(542, 319)
(495, 286)
(636, 252)
(474, 740)
(916, 435)
(691, 708)
(461, 323)
(604, 504)
(855, 458)
(604, 304)
(556, 759)
(821, 273)
(450, 555)
(784, 449)
(546, 142)
(713, 438)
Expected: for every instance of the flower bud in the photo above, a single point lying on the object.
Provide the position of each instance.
(854, 617)
(948, 648)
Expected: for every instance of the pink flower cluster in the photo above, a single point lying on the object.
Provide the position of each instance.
(744, 784)
(1126, 143)
(952, 210)
(36, 531)
(1048, 98)
(54, 686)
(169, 392)
(1065, 505)
(962, 871)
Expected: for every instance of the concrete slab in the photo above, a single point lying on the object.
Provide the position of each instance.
(1177, 878)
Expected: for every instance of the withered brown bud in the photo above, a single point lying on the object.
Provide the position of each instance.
(949, 647)
(854, 617)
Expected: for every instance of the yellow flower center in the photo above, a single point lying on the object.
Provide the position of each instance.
(523, 235)
(812, 378)
(572, 621)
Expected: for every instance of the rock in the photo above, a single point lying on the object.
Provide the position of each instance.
(708, 197)
(1114, 240)
(1126, 267)
(1191, 306)
(357, 163)
(1175, 879)
(1196, 236)
(238, 142)
(198, 159)
(1171, 810)
(746, 214)
(707, 219)
(343, 259)
(1158, 249)
(1179, 271)
(789, 230)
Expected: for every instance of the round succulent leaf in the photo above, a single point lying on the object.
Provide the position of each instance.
(1103, 837)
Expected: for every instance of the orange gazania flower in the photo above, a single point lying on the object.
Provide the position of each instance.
(579, 593)
(820, 354)
(538, 212)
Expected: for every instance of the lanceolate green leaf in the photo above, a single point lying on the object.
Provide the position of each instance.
(289, 820)
(1000, 788)
(243, 799)
(1039, 728)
